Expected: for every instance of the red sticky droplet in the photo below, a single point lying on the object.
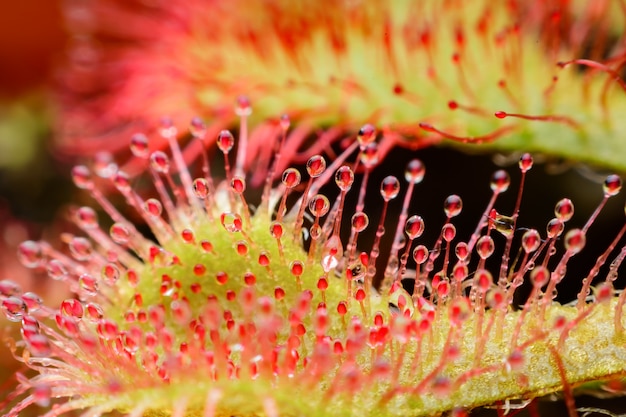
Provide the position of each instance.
(500, 114)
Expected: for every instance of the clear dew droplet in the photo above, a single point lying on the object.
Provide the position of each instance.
(414, 227)
(104, 165)
(554, 228)
(231, 222)
(526, 162)
(360, 221)
(420, 254)
(238, 184)
(369, 155)
(120, 233)
(80, 248)
(540, 276)
(86, 218)
(453, 205)
(389, 188)
(153, 207)
(160, 162)
(291, 178)
(575, 240)
(139, 146)
(197, 128)
(485, 247)
(612, 185)
(56, 270)
(315, 166)
(319, 205)
(344, 177)
(448, 232)
(14, 308)
(366, 135)
(29, 254)
(500, 181)
(531, 240)
(201, 188)
(88, 284)
(462, 251)
(243, 107)
(415, 171)
(564, 210)
(82, 177)
(167, 129)
(225, 141)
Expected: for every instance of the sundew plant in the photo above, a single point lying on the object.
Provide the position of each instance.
(244, 262)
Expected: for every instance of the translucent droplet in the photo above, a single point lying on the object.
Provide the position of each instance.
(420, 254)
(72, 308)
(153, 207)
(9, 288)
(366, 135)
(496, 298)
(319, 205)
(238, 184)
(139, 145)
(121, 180)
(540, 276)
(414, 227)
(485, 247)
(612, 185)
(360, 221)
(104, 165)
(29, 254)
(276, 230)
(555, 228)
(460, 310)
(160, 162)
(14, 308)
(415, 171)
(285, 122)
(33, 301)
(315, 166)
(315, 231)
(243, 106)
(453, 205)
(82, 177)
(80, 248)
(389, 188)
(120, 233)
(197, 128)
(167, 128)
(225, 141)
(531, 240)
(448, 232)
(86, 218)
(575, 240)
(526, 162)
(201, 188)
(291, 178)
(231, 222)
(564, 210)
(88, 284)
(460, 271)
(369, 155)
(297, 268)
(56, 270)
(483, 280)
(110, 273)
(500, 181)
(344, 177)
(462, 251)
